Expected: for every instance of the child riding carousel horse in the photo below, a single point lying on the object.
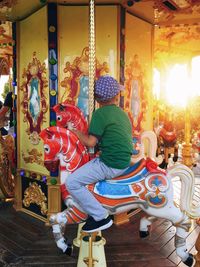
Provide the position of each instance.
(110, 128)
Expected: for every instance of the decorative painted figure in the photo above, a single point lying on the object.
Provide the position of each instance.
(34, 106)
(34, 99)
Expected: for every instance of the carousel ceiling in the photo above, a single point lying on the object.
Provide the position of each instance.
(162, 12)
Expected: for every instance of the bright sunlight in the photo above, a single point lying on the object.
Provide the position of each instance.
(181, 83)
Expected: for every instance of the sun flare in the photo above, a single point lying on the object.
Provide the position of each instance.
(180, 84)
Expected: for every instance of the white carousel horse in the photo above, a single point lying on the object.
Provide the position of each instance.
(143, 186)
(70, 116)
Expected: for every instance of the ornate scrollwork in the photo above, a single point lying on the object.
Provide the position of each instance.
(4, 66)
(76, 80)
(34, 195)
(34, 104)
(7, 179)
(33, 157)
(162, 13)
(157, 186)
(7, 3)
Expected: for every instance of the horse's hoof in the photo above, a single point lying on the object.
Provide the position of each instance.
(189, 260)
(144, 234)
(69, 250)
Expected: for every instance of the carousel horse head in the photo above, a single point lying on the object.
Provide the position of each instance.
(68, 115)
(61, 146)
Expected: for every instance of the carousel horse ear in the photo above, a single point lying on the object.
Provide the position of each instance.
(46, 133)
(49, 133)
(62, 108)
(55, 108)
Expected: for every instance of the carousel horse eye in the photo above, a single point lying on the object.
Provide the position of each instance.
(46, 149)
(59, 118)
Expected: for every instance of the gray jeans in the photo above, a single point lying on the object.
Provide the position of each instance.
(92, 172)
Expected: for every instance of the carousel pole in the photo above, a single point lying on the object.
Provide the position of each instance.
(92, 57)
(91, 250)
(187, 146)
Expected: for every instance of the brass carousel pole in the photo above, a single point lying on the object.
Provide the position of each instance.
(92, 74)
(187, 146)
(92, 57)
(91, 250)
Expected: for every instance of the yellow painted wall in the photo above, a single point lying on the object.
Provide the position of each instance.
(33, 37)
(73, 24)
(138, 41)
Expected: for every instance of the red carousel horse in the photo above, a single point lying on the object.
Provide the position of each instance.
(143, 186)
(68, 115)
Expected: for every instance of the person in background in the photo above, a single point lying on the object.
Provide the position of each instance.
(110, 127)
(3, 131)
(7, 106)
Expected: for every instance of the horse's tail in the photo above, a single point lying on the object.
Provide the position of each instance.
(187, 189)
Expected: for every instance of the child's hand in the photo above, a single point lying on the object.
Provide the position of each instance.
(70, 126)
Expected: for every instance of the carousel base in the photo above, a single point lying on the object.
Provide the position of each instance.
(26, 241)
(91, 252)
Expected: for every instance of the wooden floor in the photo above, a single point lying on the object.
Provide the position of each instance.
(25, 241)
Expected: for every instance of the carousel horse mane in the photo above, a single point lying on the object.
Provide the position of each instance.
(69, 115)
(58, 139)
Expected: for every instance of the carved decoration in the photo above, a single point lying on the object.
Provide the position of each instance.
(7, 179)
(34, 104)
(4, 66)
(162, 12)
(34, 195)
(169, 48)
(33, 157)
(135, 95)
(7, 3)
(172, 36)
(76, 80)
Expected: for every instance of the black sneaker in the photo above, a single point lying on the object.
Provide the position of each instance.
(92, 226)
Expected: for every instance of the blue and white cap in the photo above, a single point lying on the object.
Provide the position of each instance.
(106, 87)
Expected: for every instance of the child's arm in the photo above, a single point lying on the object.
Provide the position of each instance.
(87, 140)
(3, 111)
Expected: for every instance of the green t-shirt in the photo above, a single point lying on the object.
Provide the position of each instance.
(111, 125)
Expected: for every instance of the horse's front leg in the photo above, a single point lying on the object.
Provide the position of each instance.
(58, 222)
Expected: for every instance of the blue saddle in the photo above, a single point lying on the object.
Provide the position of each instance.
(121, 188)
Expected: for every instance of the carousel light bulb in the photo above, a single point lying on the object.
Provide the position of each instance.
(22, 172)
(44, 179)
(130, 3)
(53, 123)
(53, 181)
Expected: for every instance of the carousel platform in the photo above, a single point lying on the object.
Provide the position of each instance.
(25, 241)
